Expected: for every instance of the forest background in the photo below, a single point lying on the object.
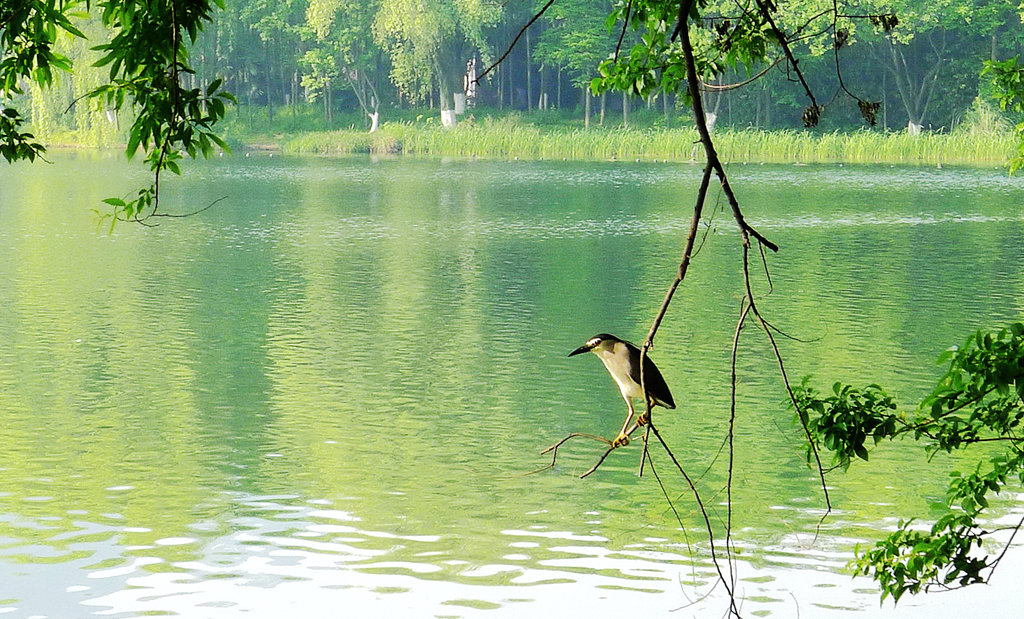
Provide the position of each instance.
(320, 75)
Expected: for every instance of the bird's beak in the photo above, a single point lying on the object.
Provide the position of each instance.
(581, 349)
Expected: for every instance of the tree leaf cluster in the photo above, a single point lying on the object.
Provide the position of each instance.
(979, 400)
(148, 58)
(653, 61)
(28, 35)
(1007, 80)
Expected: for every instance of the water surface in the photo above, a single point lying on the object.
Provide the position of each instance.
(324, 392)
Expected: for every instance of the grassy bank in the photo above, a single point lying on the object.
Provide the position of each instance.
(506, 139)
(557, 135)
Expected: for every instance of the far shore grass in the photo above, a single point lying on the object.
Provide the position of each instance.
(507, 139)
(517, 137)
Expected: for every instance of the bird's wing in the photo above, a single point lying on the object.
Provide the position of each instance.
(654, 381)
(656, 385)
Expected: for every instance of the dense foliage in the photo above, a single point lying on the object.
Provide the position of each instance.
(1008, 87)
(351, 59)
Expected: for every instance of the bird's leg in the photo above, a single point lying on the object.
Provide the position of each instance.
(643, 418)
(623, 439)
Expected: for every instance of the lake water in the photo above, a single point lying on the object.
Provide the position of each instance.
(321, 397)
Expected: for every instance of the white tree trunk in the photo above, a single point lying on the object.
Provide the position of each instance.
(709, 120)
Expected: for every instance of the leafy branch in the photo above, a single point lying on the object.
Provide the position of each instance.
(979, 399)
(1007, 79)
(28, 33)
(147, 61)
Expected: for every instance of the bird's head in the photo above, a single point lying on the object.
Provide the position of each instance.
(600, 341)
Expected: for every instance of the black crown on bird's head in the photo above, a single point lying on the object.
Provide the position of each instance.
(594, 342)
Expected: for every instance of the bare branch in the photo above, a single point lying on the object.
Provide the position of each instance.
(622, 33)
(704, 86)
(744, 312)
(512, 45)
(733, 609)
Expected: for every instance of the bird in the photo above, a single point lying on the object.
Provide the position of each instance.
(622, 360)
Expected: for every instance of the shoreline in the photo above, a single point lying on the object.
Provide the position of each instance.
(511, 141)
(671, 145)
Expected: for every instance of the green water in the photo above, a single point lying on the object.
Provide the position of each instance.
(319, 398)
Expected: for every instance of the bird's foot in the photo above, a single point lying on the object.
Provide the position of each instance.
(621, 440)
(642, 419)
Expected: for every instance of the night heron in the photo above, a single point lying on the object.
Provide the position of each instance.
(622, 360)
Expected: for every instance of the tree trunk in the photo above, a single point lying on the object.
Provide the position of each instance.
(915, 80)
(542, 100)
(529, 78)
(295, 94)
(625, 109)
(500, 78)
(327, 103)
(885, 104)
(558, 90)
(268, 81)
(446, 87)
(586, 109)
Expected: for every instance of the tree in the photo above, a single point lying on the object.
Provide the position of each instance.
(429, 42)
(318, 79)
(1007, 79)
(345, 25)
(28, 36)
(934, 47)
(576, 41)
(147, 59)
(279, 27)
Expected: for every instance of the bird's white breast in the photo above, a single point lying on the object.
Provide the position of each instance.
(616, 361)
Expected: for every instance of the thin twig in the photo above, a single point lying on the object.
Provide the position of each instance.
(1009, 542)
(599, 462)
(612, 446)
(707, 521)
(191, 213)
(508, 51)
(789, 388)
(554, 448)
(731, 436)
(704, 86)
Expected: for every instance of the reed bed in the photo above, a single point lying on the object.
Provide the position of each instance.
(508, 139)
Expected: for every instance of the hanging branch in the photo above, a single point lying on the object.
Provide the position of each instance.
(813, 111)
(731, 436)
(522, 31)
(705, 87)
(713, 166)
